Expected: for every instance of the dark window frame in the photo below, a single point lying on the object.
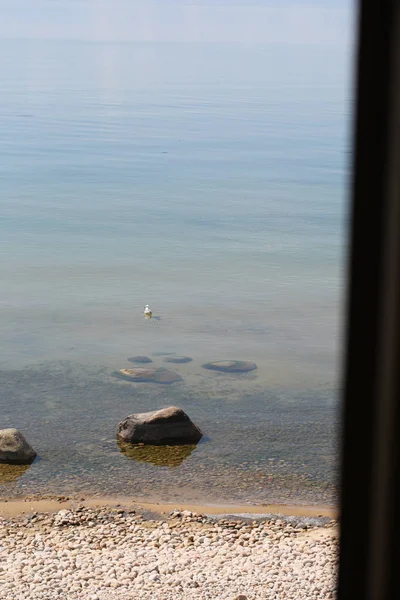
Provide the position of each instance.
(370, 475)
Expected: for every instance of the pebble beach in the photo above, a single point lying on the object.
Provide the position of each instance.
(104, 553)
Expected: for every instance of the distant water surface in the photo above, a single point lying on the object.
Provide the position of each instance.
(210, 182)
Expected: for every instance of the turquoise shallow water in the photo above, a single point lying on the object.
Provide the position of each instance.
(210, 182)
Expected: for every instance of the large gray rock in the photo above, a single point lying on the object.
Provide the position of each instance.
(166, 426)
(14, 448)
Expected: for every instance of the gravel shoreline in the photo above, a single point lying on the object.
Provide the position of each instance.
(116, 554)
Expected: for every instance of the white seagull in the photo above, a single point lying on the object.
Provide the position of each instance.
(147, 311)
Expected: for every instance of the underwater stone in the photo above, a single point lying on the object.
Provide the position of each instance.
(148, 375)
(140, 359)
(166, 426)
(159, 456)
(11, 472)
(231, 366)
(178, 359)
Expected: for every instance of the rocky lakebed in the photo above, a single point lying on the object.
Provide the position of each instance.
(77, 434)
(258, 444)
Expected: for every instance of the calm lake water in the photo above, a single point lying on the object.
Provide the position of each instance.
(210, 182)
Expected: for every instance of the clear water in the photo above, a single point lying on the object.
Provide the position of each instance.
(210, 182)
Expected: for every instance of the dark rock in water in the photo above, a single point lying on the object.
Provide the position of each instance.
(178, 359)
(140, 359)
(14, 449)
(160, 456)
(148, 375)
(231, 366)
(166, 426)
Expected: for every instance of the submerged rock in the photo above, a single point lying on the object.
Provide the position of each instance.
(148, 375)
(230, 366)
(166, 426)
(140, 359)
(160, 456)
(178, 359)
(14, 449)
(10, 472)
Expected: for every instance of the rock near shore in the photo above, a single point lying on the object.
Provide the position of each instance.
(166, 426)
(14, 449)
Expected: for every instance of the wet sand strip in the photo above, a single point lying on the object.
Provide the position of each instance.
(14, 508)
